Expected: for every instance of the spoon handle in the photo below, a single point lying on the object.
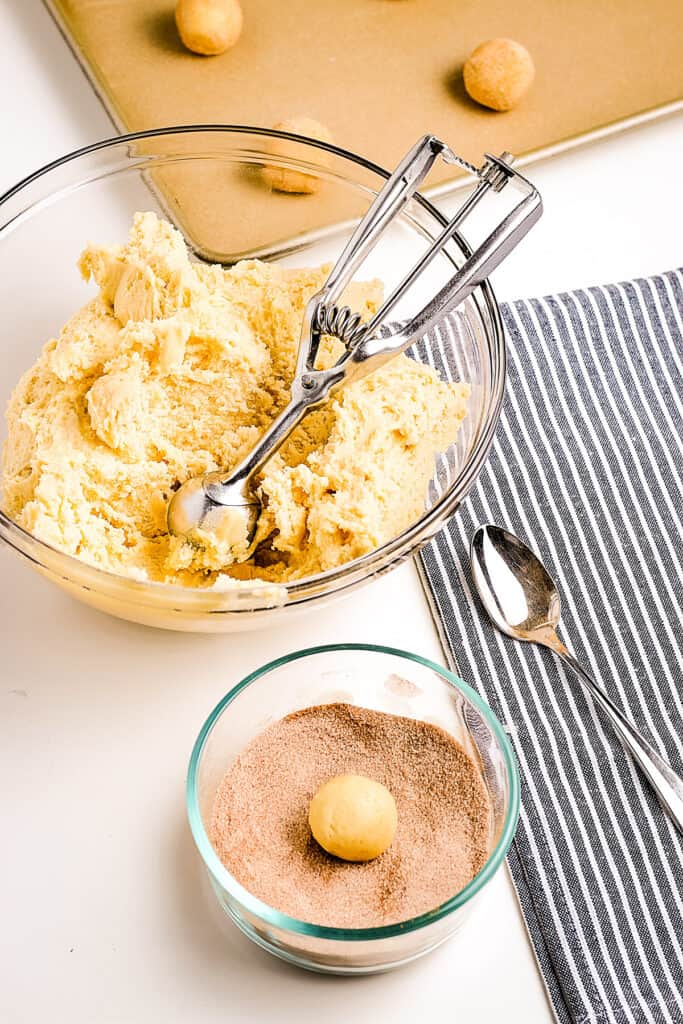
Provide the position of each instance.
(666, 783)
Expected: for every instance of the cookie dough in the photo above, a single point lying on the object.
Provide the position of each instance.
(175, 369)
(499, 73)
(287, 179)
(208, 27)
(353, 817)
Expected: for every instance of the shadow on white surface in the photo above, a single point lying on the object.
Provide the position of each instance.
(51, 99)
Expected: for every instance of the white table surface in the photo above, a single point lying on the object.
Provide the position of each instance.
(104, 916)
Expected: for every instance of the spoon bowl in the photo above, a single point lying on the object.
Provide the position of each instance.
(516, 589)
(193, 507)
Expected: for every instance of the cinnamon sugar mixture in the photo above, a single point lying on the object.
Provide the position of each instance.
(260, 829)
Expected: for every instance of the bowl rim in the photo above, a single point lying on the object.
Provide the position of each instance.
(332, 582)
(222, 877)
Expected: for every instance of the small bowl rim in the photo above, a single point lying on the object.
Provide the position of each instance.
(269, 915)
(332, 582)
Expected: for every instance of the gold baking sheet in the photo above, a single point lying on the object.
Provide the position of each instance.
(380, 73)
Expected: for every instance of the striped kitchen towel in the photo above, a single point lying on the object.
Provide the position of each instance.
(587, 467)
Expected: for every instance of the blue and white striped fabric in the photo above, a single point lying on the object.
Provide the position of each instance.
(587, 467)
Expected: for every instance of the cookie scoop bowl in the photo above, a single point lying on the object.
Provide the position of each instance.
(47, 220)
(382, 679)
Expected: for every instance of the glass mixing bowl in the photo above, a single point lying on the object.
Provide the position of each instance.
(371, 677)
(209, 181)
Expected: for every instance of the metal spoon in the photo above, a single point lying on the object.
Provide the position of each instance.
(522, 600)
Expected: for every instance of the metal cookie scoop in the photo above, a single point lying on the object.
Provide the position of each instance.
(223, 503)
(522, 600)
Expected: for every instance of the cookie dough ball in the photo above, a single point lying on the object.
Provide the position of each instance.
(499, 73)
(353, 817)
(209, 27)
(284, 179)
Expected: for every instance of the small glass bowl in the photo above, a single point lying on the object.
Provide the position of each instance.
(374, 677)
(209, 180)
